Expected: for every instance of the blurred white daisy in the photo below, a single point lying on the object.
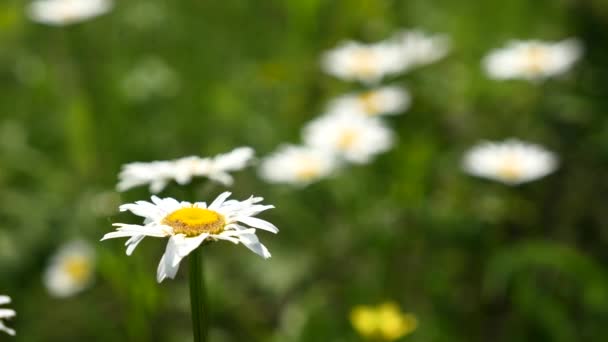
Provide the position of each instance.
(385, 100)
(355, 138)
(6, 313)
(367, 63)
(532, 60)
(70, 270)
(65, 12)
(297, 165)
(152, 77)
(188, 225)
(159, 173)
(156, 174)
(511, 162)
(419, 48)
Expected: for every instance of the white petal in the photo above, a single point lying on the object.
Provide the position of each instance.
(252, 242)
(258, 223)
(177, 248)
(5, 300)
(6, 329)
(133, 242)
(7, 313)
(219, 200)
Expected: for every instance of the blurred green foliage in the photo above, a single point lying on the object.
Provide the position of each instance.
(474, 260)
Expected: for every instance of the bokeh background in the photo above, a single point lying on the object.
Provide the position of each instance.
(153, 80)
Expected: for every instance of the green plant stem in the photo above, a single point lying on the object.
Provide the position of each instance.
(197, 296)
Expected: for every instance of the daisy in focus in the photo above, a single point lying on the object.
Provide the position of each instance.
(511, 162)
(367, 63)
(297, 165)
(354, 138)
(188, 225)
(384, 322)
(6, 313)
(381, 101)
(66, 12)
(158, 174)
(418, 48)
(532, 60)
(71, 269)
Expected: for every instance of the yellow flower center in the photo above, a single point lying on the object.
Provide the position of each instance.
(364, 63)
(78, 268)
(510, 169)
(536, 59)
(307, 170)
(347, 139)
(369, 100)
(195, 221)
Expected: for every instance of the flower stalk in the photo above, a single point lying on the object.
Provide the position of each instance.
(200, 323)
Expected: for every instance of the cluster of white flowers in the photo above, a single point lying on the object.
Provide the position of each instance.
(189, 225)
(369, 63)
(66, 12)
(351, 130)
(70, 270)
(158, 174)
(513, 162)
(5, 314)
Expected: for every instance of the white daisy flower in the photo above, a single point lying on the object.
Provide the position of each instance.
(367, 63)
(511, 162)
(65, 12)
(159, 173)
(70, 270)
(6, 313)
(419, 48)
(188, 225)
(385, 100)
(532, 60)
(156, 174)
(353, 137)
(297, 165)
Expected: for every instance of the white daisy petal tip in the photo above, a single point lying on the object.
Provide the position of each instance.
(187, 226)
(511, 162)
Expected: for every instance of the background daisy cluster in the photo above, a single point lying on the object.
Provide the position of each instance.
(392, 238)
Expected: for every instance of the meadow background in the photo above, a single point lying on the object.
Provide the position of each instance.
(152, 80)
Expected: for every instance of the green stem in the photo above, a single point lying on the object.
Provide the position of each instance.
(197, 296)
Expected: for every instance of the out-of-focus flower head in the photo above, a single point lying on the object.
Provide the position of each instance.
(387, 100)
(158, 174)
(151, 77)
(5, 314)
(419, 48)
(70, 270)
(297, 165)
(188, 225)
(367, 63)
(66, 12)
(511, 162)
(355, 138)
(384, 322)
(532, 60)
